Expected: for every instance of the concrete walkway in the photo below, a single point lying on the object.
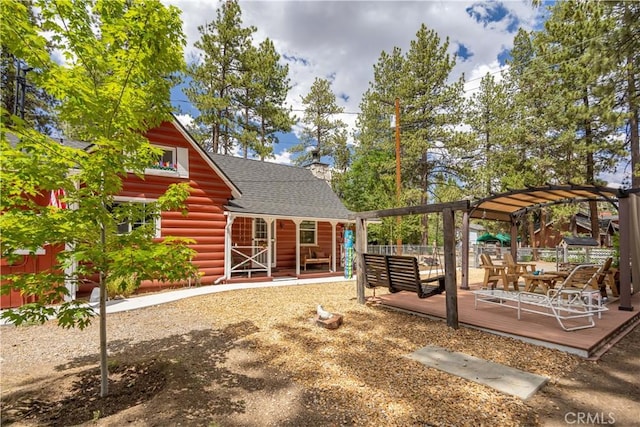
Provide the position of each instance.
(141, 301)
(152, 299)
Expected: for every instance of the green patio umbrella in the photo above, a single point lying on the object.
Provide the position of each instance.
(505, 239)
(487, 238)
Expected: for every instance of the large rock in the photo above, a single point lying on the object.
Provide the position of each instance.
(333, 322)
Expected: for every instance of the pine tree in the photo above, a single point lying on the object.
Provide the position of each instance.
(216, 75)
(493, 157)
(271, 114)
(573, 37)
(322, 130)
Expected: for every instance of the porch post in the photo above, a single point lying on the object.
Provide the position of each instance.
(228, 241)
(334, 224)
(297, 223)
(464, 266)
(269, 222)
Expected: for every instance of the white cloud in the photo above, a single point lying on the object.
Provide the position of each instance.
(344, 39)
(283, 158)
(185, 119)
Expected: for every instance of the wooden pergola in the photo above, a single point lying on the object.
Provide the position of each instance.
(511, 207)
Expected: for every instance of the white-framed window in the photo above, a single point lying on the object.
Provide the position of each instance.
(148, 215)
(308, 233)
(174, 161)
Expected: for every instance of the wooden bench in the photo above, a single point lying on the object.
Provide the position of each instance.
(314, 257)
(399, 273)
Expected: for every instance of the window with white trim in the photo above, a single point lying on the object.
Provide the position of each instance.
(174, 161)
(168, 160)
(308, 233)
(145, 213)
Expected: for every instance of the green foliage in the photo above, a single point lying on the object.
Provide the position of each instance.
(119, 59)
(430, 109)
(321, 129)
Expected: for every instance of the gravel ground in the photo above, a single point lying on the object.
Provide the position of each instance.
(256, 358)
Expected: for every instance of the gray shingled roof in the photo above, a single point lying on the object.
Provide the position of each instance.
(279, 190)
(13, 140)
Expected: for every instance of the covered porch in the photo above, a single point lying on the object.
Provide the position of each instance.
(266, 248)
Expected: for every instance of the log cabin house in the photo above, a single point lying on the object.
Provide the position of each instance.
(251, 220)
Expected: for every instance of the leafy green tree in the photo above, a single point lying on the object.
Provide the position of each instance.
(113, 86)
(320, 127)
(19, 96)
(216, 74)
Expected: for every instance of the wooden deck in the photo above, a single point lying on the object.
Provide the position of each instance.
(534, 328)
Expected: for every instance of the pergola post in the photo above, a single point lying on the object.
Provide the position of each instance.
(451, 287)
(625, 253)
(464, 267)
(514, 239)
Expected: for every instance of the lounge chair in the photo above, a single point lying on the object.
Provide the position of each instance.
(564, 302)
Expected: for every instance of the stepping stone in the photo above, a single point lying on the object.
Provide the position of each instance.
(499, 377)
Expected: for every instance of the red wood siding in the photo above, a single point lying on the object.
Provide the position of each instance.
(26, 264)
(205, 221)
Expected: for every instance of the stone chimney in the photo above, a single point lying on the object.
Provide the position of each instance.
(317, 168)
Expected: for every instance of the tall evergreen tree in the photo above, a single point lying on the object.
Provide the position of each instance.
(369, 183)
(620, 61)
(492, 155)
(271, 115)
(216, 75)
(431, 110)
(573, 36)
(322, 130)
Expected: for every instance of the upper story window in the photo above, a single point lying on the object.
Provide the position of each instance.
(308, 232)
(167, 161)
(174, 161)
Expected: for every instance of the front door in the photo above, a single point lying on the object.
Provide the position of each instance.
(260, 240)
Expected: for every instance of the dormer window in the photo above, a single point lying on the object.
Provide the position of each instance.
(174, 161)
(167, 161)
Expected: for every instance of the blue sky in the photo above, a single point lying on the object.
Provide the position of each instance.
(342, 40)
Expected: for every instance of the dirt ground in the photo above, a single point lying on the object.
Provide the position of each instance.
(256, 358)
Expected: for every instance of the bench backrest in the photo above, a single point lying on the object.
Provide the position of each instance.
(375, 271)
(404, 274)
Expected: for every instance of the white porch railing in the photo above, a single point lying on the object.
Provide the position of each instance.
(248, 263)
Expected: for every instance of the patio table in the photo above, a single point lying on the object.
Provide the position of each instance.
(545, 281)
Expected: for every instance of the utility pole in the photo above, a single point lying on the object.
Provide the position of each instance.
(398, 181)
(21, 88)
